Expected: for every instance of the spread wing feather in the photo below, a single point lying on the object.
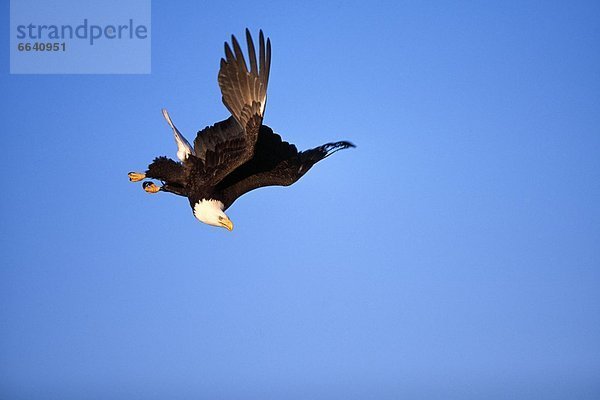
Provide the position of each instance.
(275, 163)
(223, 147)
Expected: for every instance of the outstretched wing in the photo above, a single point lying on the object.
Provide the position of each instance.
(275, 163)
(245, 92)
(228, 144)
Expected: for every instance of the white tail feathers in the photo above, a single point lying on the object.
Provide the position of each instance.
(184, 150)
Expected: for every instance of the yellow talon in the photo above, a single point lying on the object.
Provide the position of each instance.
(150, 187)
(136, 176)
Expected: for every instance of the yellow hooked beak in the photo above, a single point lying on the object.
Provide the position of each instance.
(227, 224)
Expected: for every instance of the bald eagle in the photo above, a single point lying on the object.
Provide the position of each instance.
(237, 155)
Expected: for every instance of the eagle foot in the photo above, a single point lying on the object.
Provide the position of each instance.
(151, 187)
(136, 176)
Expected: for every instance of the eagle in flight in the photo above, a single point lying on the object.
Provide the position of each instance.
(237, 155)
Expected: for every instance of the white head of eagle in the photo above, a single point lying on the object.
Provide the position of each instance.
(211, 213)
(232, 157)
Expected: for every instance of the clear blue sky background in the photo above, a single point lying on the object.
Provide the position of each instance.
(454, 254)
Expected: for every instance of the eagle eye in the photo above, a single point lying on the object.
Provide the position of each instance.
(220, 218)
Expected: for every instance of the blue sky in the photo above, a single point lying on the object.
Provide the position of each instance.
(453, 254)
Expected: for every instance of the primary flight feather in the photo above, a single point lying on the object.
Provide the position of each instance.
(239, 154)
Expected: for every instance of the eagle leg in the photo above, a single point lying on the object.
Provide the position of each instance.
(151, 187)
(136, 176)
